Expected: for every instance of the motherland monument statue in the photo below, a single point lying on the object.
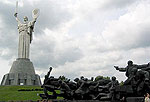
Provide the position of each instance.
(22, 71)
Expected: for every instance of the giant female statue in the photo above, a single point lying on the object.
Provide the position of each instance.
(25, 30)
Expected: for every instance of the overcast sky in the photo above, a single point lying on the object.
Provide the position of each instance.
(78, 37)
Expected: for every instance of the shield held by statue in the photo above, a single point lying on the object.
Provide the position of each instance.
(35, 13)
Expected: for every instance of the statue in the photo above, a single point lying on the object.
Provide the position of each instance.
(128, 69)
(50, 84)
(111, 85)
(47, 76)
(81, 89)
(137, 83)
(25, 33)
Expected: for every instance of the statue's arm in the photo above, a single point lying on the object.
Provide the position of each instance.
(50, 69)
(142, 66)
(120, 69)
(33, 21)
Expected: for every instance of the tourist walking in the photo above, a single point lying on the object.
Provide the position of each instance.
(147, 99)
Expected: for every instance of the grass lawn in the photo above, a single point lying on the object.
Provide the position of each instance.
(12, 93)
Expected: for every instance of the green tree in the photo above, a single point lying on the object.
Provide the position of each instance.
(121, 83)
(101, 77)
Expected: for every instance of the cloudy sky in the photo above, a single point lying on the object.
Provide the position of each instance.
(79, 37)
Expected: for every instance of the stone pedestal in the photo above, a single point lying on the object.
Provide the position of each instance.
(135, 99)
(22, 65)
(21, 73)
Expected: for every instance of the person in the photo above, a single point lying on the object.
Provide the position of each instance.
(147, 97)
(25, 30)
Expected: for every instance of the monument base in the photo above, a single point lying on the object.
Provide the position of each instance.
(21, 79)
(135, 99)
(21, 73)
(22, 65)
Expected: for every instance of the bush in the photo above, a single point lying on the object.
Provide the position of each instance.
(23, 89)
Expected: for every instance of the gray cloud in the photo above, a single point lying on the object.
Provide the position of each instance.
(50, 55)
(81, 38)
(52, 14)
(118, 3)
(130, 30)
